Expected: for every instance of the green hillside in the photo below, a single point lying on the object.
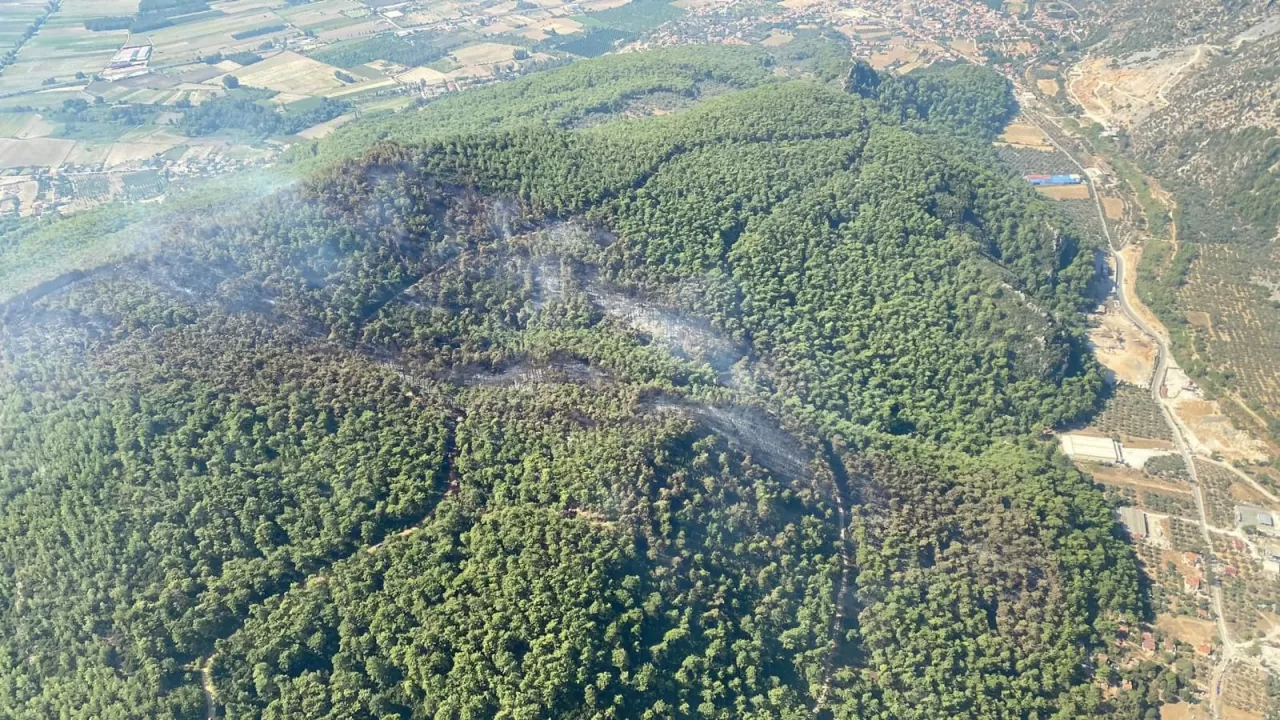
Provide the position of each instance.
(734, 412)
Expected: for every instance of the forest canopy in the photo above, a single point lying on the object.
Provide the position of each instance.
(519, 407)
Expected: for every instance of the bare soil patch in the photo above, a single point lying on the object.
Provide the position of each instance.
(1216, 432)
(315, 132)
(1192, 631)
(426, 75)
(1245, 493)
(1115, 91)
(1113, 207)
(1133, 478)
(899, 52)
(123, 153)
(291, 72)
(43, 152)
(1025, 135)
(1200, 319)
(777, 38)
(1123, 349)
(1049, 87)
(485, 54)
(1136, 443)
(1065, 192)
(1182, 711)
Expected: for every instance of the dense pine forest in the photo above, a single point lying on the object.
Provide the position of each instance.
(527, 405)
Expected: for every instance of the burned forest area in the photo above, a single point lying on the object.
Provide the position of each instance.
(735, 412)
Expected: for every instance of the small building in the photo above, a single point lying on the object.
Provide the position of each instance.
(1261, 519)
(1050, 180)
(1148, 642)
(1091, 448)
(1270, 559)
(128, 62)
(1134, 520)
(128, 56)
(1192, 584)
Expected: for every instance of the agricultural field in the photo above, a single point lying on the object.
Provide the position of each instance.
(1215, 484)
(188, 41)
(1024, 135)
(35, 152)
(66, 103)
(1028, 161)
(484, 54)
(1185, 536)
(63, 47)
(1169, 467)
(1245, 693)
(292, 73)
(1131, 413)
(1114, 207)
(24, 125)
(16, 18)
(1178, 607)
(1234, 322)
(1139, 489)
(324, 15)
(1025, 158)
(143, 184)
(1065, 192)
(778, 38)
(92, 187)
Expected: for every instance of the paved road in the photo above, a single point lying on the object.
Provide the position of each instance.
(1229, 649)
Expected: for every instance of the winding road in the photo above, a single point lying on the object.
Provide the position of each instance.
(1230, 650)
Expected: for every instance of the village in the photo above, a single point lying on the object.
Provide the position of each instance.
(409, 52)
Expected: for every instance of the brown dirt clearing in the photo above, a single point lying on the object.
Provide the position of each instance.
(777, 38)
(1123, 349)
(1133, 478)
(43, 152)
(1192, 631)
(485, 54)
(1025, 135)
(1113, 207)
(1065, 192)
(1182, 711)
(1216, 432)
(291, 72)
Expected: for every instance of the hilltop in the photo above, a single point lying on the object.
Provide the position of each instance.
(533, 405)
